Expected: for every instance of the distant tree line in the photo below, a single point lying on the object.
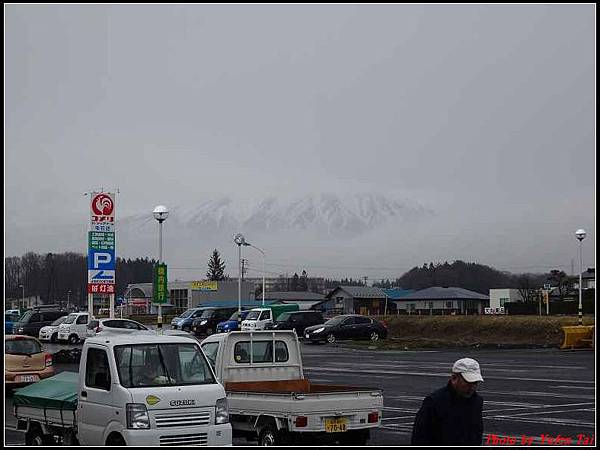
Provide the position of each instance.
(58, 277)
(474, 277)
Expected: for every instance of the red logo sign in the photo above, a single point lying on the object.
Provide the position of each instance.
(101, 288)
(102, 205)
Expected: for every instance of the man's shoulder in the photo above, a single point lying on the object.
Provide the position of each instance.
(439, 395)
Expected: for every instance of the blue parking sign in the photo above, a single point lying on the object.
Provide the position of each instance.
(101, 259)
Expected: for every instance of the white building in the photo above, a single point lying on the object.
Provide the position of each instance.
(498, 297)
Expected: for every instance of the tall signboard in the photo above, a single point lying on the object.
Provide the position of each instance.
(159, 284)
(101, 248)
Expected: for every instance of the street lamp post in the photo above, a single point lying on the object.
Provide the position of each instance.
(22, 286)
(68, 300)
(240, 240)
(160, 214)
(580, 234)
(263, 277)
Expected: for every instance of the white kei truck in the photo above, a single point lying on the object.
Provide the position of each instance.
(270, 400)
(138, 389)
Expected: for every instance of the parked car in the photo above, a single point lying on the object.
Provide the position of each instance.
(232, 323)
(74, 328)
(263, 318)
(207, 323)
(351, 326)
(100, 327)
(298, 321)
(184, 321)
(50, 332)
(25, 361)
(33, 320)
(9, 322)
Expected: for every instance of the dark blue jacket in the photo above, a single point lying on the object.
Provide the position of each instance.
(445, 418)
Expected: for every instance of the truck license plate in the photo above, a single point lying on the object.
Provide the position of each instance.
(337, 425)
(27, 378)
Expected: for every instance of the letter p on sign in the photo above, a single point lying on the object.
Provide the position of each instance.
(101, 259)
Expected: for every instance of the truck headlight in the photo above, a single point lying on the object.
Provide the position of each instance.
(222, 413)
(203, 322)
(137, 416)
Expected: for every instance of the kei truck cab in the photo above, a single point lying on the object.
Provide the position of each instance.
(143, 389)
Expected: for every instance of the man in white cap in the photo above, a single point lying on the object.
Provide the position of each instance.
(452, 415)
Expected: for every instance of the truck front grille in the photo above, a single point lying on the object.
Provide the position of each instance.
(185, 439)
(182, 420)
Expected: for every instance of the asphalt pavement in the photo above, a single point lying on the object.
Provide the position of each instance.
(530, 394)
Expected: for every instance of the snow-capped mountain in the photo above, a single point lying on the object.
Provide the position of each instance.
(324, 214)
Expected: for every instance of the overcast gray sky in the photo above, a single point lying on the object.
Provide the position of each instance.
(483, 114)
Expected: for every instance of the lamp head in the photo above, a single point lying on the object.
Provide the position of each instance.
(161, 213)
(580, 234)
(239, 239)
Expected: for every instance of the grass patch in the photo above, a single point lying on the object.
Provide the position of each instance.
(409, 332)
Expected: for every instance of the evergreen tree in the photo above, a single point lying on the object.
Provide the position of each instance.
(216, 267)
(295, 282)
(303, 282)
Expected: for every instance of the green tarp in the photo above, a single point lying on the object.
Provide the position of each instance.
(57, 392)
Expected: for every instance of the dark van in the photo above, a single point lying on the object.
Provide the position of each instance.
(298, 320)
(207, 323)
(35, 319)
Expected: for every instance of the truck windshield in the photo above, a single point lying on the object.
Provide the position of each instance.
(210, 350)
(151, 365)
(253, 315)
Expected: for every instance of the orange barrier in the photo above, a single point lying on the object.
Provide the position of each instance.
(580, 336)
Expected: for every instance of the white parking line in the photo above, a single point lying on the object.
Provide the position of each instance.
(537, 394)
(381, 373)
(574, 387)
(536, 413)
(546, 420)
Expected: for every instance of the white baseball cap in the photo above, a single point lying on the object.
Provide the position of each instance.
(469, 369)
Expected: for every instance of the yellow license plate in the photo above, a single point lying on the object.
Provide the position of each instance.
(27, 378)
(337, 425)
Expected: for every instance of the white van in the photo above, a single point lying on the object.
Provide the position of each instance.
(257, 319)
(74, 328)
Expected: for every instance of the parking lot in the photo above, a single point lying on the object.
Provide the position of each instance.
(537, 394)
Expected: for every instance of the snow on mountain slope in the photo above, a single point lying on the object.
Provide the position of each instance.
(327, 215)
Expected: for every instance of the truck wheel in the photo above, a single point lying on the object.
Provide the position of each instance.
(209, 331)
(268, 436)
(331, 338)
(374, 336)
(73, 339)
(35, 437)
(115, 440)
(359, 437)
(186, 328)
(54, 337)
